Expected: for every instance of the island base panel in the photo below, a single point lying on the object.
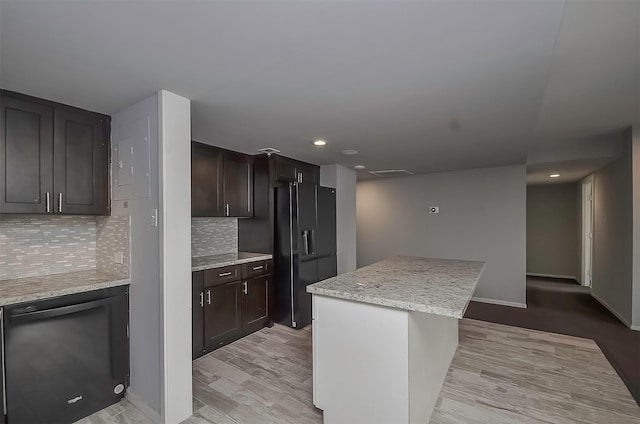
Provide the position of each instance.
(373, 364)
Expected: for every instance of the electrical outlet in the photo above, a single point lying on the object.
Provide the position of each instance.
(118, 257)
(434, 209)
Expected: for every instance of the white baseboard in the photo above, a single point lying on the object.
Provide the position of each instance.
(499, 302)
(614, 312)
(143, 407)
(564, 277)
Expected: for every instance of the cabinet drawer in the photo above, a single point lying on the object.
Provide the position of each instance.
(215, 276)
(254, 269)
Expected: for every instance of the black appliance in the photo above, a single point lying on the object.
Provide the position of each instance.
(305, 247)
(65, 358)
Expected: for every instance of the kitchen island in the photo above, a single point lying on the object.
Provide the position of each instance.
(384, 337)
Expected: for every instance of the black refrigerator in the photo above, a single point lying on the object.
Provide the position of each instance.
(305, 247)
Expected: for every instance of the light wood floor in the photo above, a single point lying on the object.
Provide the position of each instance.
(499, 375)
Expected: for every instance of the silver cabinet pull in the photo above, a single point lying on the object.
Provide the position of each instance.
(59, 202)
(245, 288)
(256, 268)
(202, 299)
(208, 297)
(226, 209)
(224, 274)
(48, 197)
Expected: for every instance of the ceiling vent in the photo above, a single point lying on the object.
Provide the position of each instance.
(269, 150)
(392, 173)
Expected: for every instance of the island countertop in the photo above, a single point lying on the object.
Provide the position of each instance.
(436, 286)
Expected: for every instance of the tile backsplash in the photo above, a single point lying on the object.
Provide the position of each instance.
(213, 236)
(113, 240)
(33, 245)
(37, 245)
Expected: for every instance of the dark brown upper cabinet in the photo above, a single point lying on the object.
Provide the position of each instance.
(55, 158)
(206, 181)
(295, 171)
(221, 182)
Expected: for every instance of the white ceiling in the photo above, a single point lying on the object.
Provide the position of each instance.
(424, 86)
(570, 171)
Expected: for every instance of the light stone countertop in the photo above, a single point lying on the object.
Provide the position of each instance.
(436, 286)
(200, 263)
(29, 289)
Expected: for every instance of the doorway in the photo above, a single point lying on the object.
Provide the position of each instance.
(587, 230)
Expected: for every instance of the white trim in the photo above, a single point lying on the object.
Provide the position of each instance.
(499, 302)
(564, 277)
(143, 407)
(614, 312)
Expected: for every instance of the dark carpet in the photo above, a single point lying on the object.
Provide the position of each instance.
(564, 307)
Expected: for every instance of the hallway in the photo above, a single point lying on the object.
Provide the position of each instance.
(559, 306)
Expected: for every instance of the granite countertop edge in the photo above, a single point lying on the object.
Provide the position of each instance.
(395, 304)
(108, 282)
(219, 261)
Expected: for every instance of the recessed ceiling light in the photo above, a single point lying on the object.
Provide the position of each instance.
(359, 167)
(554, 175)
(320, 143)
(349, 152)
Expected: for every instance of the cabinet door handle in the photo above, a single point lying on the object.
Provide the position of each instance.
(202, 299)
(208, 297)
(48, 197)
(225, 274)
(60, 202)
(245, 288)
(226, 209)
(256, 268)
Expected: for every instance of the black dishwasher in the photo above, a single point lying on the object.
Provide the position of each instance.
(65, 358)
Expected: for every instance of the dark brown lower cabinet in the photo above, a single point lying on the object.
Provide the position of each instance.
(197, 314)
(222, 322)
(224, 311)
(255, 304)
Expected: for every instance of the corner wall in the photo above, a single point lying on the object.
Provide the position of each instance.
(343, 180)
(482, 217)
(612, 274)
(635, 165)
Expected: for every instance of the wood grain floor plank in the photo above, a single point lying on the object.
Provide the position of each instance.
(499, 375)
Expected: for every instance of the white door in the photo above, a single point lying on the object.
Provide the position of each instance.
(587, 230)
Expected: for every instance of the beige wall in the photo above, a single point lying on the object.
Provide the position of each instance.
(613, 236)
(553, 225)
(635, 148)
(482, 217)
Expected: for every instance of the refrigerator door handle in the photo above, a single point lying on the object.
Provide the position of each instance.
(312, 242)
(305, 242)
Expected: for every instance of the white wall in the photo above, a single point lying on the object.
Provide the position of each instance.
(482, 217)
(175, 245)
(612, 280)
(160, 316)
(343, 179)
(133, 125)
(553, 229)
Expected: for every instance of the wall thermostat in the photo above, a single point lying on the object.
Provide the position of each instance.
(434, 209)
